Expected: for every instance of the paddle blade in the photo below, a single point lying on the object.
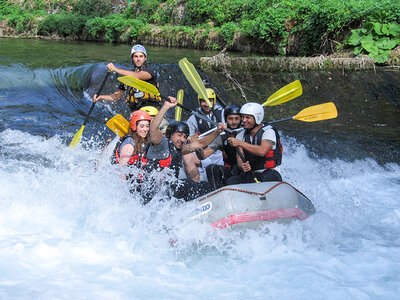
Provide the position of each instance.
(285, 94)
(119, 125)
(178, 110)
(77, 137)
(319, 112)
(139, 84)
(194, 79)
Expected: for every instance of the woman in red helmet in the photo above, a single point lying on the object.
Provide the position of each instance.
(130, 148)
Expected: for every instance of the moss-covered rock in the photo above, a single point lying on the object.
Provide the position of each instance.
(275, 64)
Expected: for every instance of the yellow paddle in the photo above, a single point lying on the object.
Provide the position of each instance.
(178, 109)
(78, 135)
(285, 94)
(151, 89)
(194, 79)
(314, 113)
(139, 84)
(119, 125)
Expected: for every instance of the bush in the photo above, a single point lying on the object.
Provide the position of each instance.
(137, 28)
(217, 11)
(96, 26)
(228, 31)
(92, 8)
(63, 25)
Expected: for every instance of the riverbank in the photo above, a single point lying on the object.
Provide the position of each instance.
(305, 30)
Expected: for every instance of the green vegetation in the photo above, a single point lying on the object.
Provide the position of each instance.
(286, 27)
(376, 39)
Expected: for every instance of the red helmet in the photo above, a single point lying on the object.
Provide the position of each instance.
(137, 116)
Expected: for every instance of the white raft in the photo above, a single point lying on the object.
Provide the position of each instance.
(248, 206)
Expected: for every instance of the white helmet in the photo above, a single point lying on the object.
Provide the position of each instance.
(254, 109)
(138, 48)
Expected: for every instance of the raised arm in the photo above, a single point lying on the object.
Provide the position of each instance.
(155, 132)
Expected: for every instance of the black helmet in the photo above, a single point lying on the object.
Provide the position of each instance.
(177, 126)
(231, 109)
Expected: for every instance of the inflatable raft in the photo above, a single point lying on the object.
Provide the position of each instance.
(247, 206)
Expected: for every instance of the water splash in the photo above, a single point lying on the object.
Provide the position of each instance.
(67, 228)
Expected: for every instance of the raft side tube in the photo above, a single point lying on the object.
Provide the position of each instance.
(245, 206)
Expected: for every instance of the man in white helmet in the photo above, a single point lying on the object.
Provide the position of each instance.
(135, 99)
(260, 145)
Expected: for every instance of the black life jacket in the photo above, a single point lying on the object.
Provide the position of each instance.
(137, 99)
(229, 152)
(204, 126)
(272, 159)
(172, 161)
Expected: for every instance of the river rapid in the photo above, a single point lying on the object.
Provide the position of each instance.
(70, 229)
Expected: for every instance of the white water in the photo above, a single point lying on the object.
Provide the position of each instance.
(69, 232)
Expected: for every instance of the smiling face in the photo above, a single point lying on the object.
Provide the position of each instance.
(138, 58)
(204, 105)
(178, 139)
(142, 128)
(233, 121)
(248, 121)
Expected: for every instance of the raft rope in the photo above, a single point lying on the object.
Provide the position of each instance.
(250, 192)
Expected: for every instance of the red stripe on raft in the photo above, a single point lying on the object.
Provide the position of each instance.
(261, 216)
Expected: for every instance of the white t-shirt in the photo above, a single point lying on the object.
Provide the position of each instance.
(269, 134)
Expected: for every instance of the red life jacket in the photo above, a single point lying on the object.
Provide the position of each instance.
(173, 161)
(137, 159)
(140, 160)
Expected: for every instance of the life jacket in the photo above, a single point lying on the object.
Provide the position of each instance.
(137, 99)
(172, 161)
(204, 126)
(229, 152)
(135, 160)
(272, 159)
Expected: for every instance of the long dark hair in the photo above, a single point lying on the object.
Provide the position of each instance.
(140, 143)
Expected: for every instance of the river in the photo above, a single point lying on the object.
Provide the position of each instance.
(69, 230)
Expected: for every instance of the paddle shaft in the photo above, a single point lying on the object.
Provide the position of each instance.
(98, 93)
(149, 88)
(251, 172)
(281, 120)
(197, 114)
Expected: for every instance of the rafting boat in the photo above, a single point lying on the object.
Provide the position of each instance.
(248, 206)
